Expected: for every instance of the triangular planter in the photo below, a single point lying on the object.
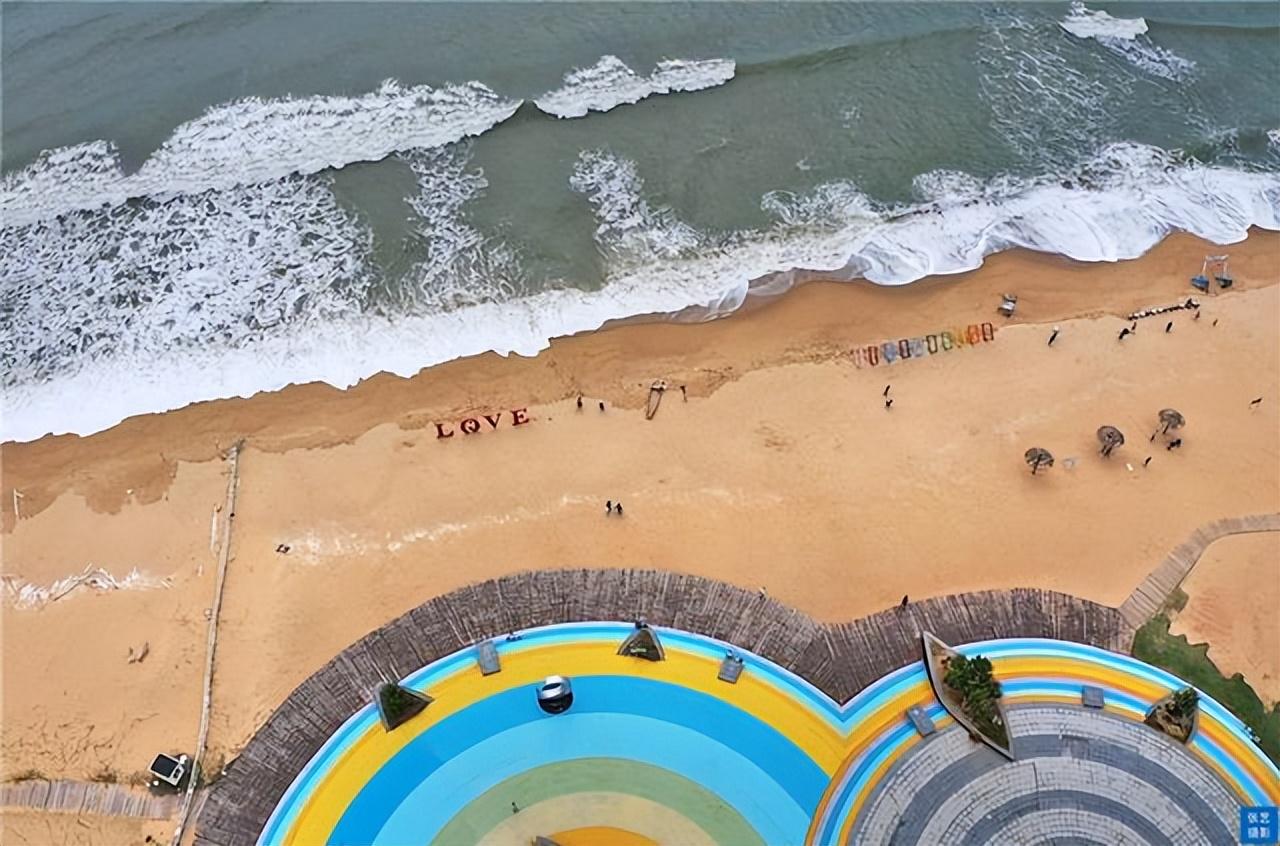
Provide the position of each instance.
(643, 643)
(935, 653)
(398, 704)
(1166, 725)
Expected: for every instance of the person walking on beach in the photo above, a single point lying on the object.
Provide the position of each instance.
(886, 390)
(1255, 403)
(579, 402)
(683, 394)
(1168, 327)
(602, 405)
(888, 404)
(1197, 317)
(1125, 331)
(608, 506)
(619, 507)
(1174, 444)
(905, 599)
(515, 809)
(1148, 461)
(1054, 336)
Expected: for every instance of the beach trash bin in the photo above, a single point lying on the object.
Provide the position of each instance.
(1200, 283)
(555, 694)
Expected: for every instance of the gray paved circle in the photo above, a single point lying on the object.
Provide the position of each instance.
(1080, 776)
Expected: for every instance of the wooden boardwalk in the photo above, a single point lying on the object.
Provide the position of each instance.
(839, 659)
(86, 797)
(1150, 596)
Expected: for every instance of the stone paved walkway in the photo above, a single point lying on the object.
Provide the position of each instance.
(1080, 776)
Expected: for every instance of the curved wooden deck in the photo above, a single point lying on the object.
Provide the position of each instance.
(839, 659)
(1150, 596)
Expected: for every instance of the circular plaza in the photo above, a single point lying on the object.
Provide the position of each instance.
(711, 743)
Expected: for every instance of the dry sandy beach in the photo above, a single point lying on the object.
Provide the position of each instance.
(782, 470)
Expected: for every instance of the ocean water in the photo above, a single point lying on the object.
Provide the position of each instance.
(212, 200)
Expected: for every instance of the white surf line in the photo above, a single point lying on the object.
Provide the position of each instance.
(28, 595)
(229, 512)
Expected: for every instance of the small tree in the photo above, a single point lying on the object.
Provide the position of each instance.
(1185, 702)
(1175, 715)
(979, 692)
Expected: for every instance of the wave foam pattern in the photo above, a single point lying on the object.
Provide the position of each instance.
(1127, 38)
(1114, 206)
(1045, 108)
(610, 83)
(146, 281)
(252, 141)
(462, 266)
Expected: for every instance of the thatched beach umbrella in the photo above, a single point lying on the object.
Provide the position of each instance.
(1038, 457)
(1171, 419)
(1110, 437)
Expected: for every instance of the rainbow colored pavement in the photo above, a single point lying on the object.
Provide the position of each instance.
(664, 752)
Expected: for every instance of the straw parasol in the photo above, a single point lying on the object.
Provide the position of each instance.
(1110, 437)
(1038, 457)
(1171, 419)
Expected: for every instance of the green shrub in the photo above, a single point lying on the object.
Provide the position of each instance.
(1154, 645)
(397, 704)
(979, 694)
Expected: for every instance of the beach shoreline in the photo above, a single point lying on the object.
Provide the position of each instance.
(783, 471)
(832, 314)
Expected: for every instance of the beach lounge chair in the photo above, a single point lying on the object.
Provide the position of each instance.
(1200, 282)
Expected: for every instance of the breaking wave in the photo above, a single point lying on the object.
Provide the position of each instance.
(1127, 38)
(1087, 23)
(609, 83)
(238, 291)
(252, 141)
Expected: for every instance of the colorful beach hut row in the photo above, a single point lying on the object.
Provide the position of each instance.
(888, 352)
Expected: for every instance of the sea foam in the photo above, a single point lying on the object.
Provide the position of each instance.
(1127, 38)
(1083, 22)
(1116, 205)
(251, 141)
(610, 83)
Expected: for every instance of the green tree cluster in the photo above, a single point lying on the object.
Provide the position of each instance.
(979, 694)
